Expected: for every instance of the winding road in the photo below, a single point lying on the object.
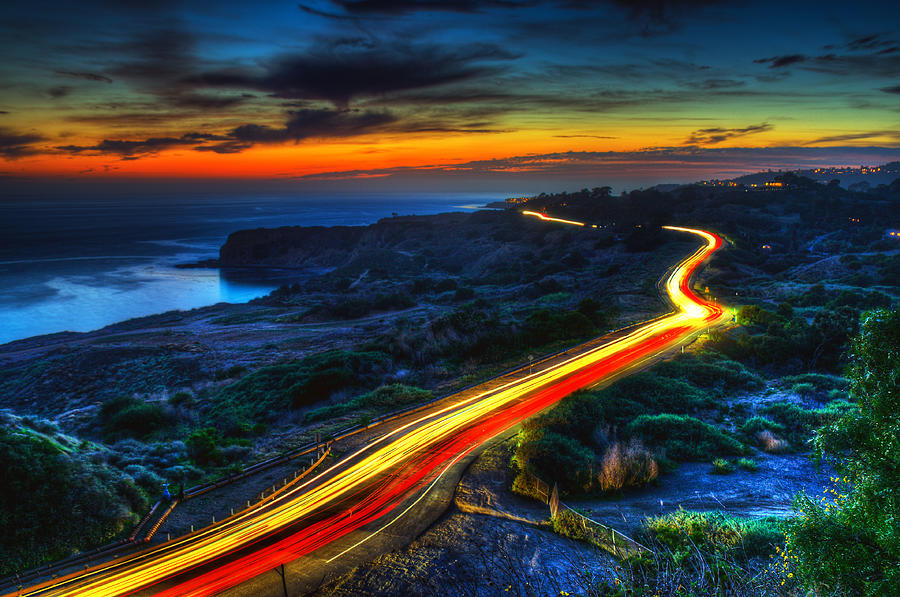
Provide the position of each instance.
(342, 510)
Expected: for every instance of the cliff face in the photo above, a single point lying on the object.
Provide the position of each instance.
(319, 246)
(470, 244)
(290, 246)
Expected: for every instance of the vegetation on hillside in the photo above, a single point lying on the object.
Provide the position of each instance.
(55, 502)
(848, 542)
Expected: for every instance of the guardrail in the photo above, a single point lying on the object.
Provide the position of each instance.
(131, 540)
(595, 533)
(326, 446)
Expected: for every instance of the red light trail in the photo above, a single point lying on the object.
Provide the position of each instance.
(379, 479)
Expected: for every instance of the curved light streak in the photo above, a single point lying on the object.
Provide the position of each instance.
(379, 479)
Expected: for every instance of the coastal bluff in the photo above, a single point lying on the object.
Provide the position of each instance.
(463, 237)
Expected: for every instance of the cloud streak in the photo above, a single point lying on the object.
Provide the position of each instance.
(711, 136)
(15, 145)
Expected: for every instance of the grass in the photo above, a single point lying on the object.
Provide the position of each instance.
(716, 532)
(626, 465)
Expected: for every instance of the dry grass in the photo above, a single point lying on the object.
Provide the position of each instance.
(628, 465)
(770, 443)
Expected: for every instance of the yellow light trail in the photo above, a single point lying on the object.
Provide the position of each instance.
(402, 450)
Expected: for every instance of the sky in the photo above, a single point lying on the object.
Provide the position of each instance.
(442, 94)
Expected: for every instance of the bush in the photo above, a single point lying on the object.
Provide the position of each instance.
(653, 394)
(747, 465)
(770, 443)
(683, 438)
(181, 399)
(204, 446)
(720, 466)
(754, 425)
(127, 416)
(710, 371)
(803, 389)
(820, 382)
(568, 524)
(554, 458)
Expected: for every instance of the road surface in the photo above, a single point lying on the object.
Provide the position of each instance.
(367, 493)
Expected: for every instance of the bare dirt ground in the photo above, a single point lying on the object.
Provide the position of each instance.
(489, 542)
(493, 542)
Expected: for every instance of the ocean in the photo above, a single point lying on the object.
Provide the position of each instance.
(78, 264)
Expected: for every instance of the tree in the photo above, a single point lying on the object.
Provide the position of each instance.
(849, 542)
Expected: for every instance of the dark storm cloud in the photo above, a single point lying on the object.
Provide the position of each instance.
(85, 76)
(304, 124)
(206, 102)
(876, 42)
(324, 123)
(872, 56)
(15, 145)
(398, 7)
(660, 11)
(59, 91)
(130, 148)
(717, 135)
(781, 61)
(894, 89)
(351, 68)
(331, 124)
(157, 56)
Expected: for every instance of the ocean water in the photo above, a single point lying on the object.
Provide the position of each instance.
(78, 264)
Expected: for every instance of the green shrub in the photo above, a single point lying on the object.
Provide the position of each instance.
(683, 438)
(127, 416)
(747, 464)
(181, 399)
(654, 393)
(710, 371)
(554, 458)
(544, 326)
(803, 389)
(820, 381)
(720, 466)
(230, 373)
(754, 425)
(205, 446)
(568, 524)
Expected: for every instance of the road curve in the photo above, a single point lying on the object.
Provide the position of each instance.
(381, 481)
